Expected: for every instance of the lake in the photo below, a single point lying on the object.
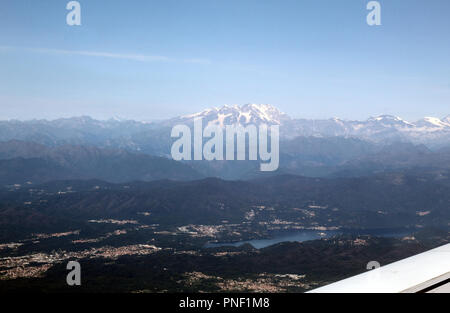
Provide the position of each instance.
(305, 235)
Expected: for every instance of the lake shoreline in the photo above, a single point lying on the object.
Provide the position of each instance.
(280, 236)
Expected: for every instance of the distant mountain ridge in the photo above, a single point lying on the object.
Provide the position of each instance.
(231, 115)
(24, 162)
(265, 113)
(80, 127)
(154, 137)
(21, 162)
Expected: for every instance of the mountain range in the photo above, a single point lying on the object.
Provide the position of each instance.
(122, 150)
(154, 137)
(28, 162)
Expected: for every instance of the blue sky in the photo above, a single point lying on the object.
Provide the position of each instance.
(157, 59)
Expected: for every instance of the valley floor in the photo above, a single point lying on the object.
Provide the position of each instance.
(112, 265)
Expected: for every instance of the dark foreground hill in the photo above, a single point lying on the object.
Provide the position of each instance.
(22, 162)
(381, 201)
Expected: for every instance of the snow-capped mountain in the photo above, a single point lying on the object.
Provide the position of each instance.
(149, 136)
(434, 123)
(389, 121)
(246, 114)
(379, 128)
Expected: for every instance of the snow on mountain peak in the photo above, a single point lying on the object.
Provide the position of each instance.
(390, 120)
(241, 114)
(378, 128)
(434, 122)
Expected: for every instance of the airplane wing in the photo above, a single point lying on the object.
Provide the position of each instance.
(426, 272)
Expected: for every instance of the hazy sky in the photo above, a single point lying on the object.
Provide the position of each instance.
(156, 59)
